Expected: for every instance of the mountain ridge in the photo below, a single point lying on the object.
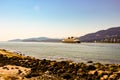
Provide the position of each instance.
(100, 35)
(36, 39)
(108, 35)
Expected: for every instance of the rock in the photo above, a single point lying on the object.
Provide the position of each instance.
(92, 72)
(100, 72)
(67, 76)
(98, 65)
(96, 73)
(101, 78)
(90, 62)
(113, 76)
(19, 71)
(47, 72)
(105, 77)
(52, 63)
(91, 67)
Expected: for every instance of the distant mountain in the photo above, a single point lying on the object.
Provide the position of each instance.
(109, 35)
(102, 35)
(15, 40)
(35, 39)
(39, 39)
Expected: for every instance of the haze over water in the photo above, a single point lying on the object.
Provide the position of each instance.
(83, 52)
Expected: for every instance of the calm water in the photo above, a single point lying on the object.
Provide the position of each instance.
(97, 52)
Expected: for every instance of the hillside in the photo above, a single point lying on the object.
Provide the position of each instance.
(109, 35)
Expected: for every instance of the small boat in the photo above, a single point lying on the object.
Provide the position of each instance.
(71, 40)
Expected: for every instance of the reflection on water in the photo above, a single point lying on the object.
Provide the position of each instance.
(98, 52)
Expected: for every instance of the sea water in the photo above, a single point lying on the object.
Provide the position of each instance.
(78, 52)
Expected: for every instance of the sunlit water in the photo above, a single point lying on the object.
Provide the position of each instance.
(83, 52)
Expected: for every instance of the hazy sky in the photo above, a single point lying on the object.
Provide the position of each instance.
(56, 18)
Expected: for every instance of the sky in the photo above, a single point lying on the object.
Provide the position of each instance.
(56, 18)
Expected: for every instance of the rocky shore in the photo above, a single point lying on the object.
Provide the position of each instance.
(22, 67)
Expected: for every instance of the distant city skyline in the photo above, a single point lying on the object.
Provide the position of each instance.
(56, 18)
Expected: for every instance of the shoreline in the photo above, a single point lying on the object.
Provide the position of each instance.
(56, 70)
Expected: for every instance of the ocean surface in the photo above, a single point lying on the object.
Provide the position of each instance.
(83, 52)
